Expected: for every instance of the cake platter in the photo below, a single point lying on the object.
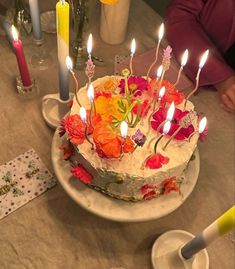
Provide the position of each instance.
(118, 210)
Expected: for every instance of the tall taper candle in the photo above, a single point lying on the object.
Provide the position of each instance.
(23, 68)
(7, 28)
(221, 226)
(62, 20)
(35, 18)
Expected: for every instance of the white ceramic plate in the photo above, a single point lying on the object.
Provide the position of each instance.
(118, 210)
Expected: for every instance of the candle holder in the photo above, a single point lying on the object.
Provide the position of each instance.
(40, 58)
(54, 109)
(27, 92)
(166, 252)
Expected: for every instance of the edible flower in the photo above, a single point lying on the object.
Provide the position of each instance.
(169, 185)
(160, 116)
(136, 85)
(139, 138)
(156, 161)
(80, 172)
(108, 142)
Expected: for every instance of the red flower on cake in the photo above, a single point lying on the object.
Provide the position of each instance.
(75, 128)
(149, 191)
(136, 85)
(82, 174)
(145, 106)
(70, 103)
(171, 94)
(156, 161)
(149, 195)
(108, 142)
(160, 116)
(169, 185)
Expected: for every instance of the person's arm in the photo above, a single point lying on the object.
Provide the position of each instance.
(185, 31)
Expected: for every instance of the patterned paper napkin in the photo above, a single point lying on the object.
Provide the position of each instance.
(21, 180)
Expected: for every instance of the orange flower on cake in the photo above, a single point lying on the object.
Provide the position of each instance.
(108, 142)
(108, 108)
(171, 94)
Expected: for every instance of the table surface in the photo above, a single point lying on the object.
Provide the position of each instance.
(54, 232)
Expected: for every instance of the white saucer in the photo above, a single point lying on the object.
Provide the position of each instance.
(118, 210)
(166, 252)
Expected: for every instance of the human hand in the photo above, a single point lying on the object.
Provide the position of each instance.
(226, 90)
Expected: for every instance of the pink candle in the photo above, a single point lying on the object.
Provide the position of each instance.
(23, 68)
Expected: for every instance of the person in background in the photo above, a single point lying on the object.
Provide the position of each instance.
(206, 24)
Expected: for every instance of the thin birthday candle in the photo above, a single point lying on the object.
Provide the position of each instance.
(133, 49)
(90, 67)
(124, 131)
(19, 52)
(62, 19)
(201, 64)
(90, 94)
(160, 36)
(84, 119)
(183, 63)
(169, 116)
(69, 65)
(219, 227)
(201, 128)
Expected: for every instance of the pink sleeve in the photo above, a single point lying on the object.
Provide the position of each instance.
(184, 31)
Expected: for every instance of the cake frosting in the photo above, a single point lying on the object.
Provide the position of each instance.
(127, 176)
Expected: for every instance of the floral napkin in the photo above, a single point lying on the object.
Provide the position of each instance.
(21, 180)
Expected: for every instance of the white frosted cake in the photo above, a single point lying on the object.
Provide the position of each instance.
(150, 158)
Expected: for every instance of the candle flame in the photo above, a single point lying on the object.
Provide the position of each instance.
(124, 129)
(202, 125)
(184, 58)
(203, 59)
(69, 63)
(89, 44)
(83, 114)
(166, 127)
(14, 33)
(161, 92)
(159, 71)
(161, 32)
(133, 46)
(170, 112)
(90, 92)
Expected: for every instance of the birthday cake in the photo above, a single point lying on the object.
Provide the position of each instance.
(131, 137)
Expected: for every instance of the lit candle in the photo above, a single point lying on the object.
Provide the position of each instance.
(201, 64)
(124, 131)
(7, 28)
(166, 129)
(84, 119)
(160, 36)
(89, 45)
(185, 122)
(62, 18)
(169, 115)
(183, 63)
(219, 227)
(90, 67)
(69, 65)
(35, 18)
(133, 49)
(23, 68)
(201, 128)
(90, 94)
(156, 101)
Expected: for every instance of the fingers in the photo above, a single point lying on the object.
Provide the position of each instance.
(227, 103)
